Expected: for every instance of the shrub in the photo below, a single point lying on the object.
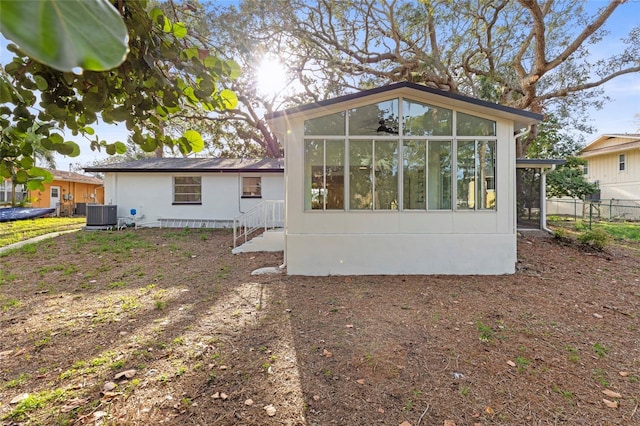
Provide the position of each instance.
(596, 238)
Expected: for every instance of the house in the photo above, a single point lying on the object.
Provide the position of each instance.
(613, 161)
(194, 192)
(69, 193)
(402, 179)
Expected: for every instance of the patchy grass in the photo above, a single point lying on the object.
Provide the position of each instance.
(20, 230)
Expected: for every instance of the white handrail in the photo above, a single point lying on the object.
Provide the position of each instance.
(268, 214)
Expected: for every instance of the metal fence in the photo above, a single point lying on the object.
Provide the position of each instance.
(606, 210)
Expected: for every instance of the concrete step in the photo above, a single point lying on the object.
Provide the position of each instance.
(272, 240)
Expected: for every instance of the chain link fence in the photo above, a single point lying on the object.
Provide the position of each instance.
(611, 210)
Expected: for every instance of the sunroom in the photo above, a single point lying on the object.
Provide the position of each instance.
(402, 179)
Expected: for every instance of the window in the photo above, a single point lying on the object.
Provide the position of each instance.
(399, 154)
(585, 168)
(476, 175)
(251, 187)
(427, 175)
(324, 174)
(622, 162)
(187, 190)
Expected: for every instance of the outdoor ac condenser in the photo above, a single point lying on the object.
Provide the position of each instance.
(102, 215)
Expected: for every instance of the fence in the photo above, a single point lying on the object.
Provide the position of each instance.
(607, 210)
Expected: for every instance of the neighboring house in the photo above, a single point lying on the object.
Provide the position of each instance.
(613, 161)
(7, 192)
(403, 179)
(207, 192)
(69, 193)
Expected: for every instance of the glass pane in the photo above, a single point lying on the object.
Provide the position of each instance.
(376, 119)
(386, 175)
(469, 125)
(486, 175)
(466, 175)
(420, 119)
(414, 178)
(313, 174)
(360, 175)
(439, 181)
(332, 124)
(335, 175)
(251, 187)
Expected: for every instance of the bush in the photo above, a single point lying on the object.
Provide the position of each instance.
(596, 238)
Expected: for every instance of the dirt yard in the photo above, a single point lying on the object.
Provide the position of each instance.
(167, 327)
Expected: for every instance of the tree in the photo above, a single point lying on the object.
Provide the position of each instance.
(165, 71)
(568, 180)
(526, 54)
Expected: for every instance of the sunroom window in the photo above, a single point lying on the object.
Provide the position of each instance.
(476, 171)
(400, 154)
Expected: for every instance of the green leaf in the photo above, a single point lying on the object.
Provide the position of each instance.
(41, 82)
(35, 185)
(21, 176)
(179, 30)
(46, 175)
(120, 148)
(235, 69)
(195, 140)
(69, 35)
(229, 99)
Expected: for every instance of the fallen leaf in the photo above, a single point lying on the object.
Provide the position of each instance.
(610, 404)
(5, 353)
(449, 423)
(73, 404)
(19, 398)
(216, 395)
(249, 402)
(381, 410)
(360, 381)
(489, 410)
(623, 373)
(597, 316)
(109, 386)
(128, 374)
(223, 396)
(326, 353)
(349, 325)
(316, 397)
(611, 393)
(405, 423)
(511, 363)
(271, 410)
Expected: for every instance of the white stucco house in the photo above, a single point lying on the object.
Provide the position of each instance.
(194, 192)
(403, 179)
(613, 161)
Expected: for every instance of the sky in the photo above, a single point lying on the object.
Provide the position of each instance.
(616, 117)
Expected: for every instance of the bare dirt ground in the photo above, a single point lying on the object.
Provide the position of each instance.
(167, 327)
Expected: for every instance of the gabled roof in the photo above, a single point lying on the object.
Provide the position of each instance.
(199, 165)
(61, 175)
(611, 143)
(522, 118)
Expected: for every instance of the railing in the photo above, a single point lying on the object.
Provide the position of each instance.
(268, 214)
(610, 210)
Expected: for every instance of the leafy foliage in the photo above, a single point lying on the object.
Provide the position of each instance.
(568, 180)
(71, 35)
(166, 71)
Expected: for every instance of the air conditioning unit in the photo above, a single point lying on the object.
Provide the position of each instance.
(102, 215)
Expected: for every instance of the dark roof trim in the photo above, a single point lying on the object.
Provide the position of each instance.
(194, 165)
(419, 87)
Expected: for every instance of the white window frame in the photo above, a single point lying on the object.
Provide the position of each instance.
(178, 185)
(251, 190)
(622, 163)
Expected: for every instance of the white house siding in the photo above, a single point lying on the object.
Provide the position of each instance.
(151, 194)
(614, 183)
(396, 242)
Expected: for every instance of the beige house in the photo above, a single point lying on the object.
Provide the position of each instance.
(613, 161)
